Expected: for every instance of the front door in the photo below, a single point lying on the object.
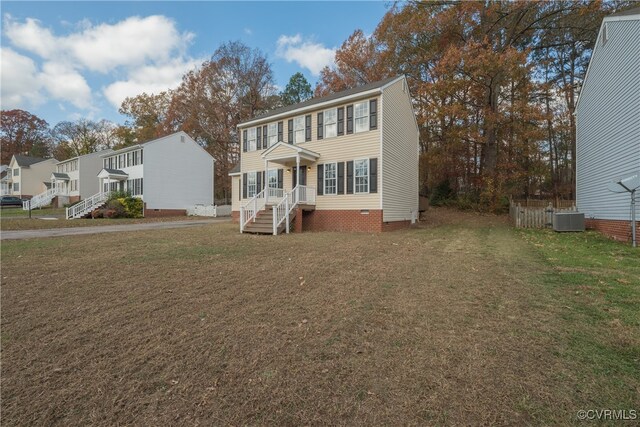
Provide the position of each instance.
(303, 176)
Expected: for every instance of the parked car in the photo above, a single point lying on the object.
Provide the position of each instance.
(6, 201)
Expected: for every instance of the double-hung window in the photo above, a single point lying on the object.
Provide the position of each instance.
(272, 134)
(298, 129)
(331, 123)
(361, 113)
(252, 184)
(361, 175)
(16, 172)
(272, 178)
(330, 178)
(251, 138)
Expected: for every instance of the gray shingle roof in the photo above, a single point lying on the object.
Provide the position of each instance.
(59, 175)
(115, 171)
(331, 97)
(23, 161)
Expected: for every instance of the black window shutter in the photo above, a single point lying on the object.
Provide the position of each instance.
(373, 114)
(290, 133)
(258, 138)
(280, 178)
(265, 144)
(320, 126)
(244, 185)
(341, 121)
(280, 132)
(264, 179)
(373, 175)
(258, 182)
(307, 128)
(349, 119)
(320, 180)
(244, 140)
(350, 177)
(341, 178)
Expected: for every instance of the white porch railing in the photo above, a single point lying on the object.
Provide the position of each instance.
(301, 194)
(39, 200)
(87, 205)
(250, 210)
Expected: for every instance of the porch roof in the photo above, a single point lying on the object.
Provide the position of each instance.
(113, 174)
(284, 151)
(60, 176)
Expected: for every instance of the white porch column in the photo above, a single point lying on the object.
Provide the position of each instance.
(266, 183)
(297, 177)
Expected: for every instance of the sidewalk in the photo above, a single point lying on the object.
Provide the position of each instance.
(76, 231)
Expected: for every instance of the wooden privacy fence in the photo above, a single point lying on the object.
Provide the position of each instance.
(535, 217)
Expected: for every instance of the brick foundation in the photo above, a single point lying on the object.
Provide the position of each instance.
(155, 213)
(616, 229)
(74, 199)
(235, 217)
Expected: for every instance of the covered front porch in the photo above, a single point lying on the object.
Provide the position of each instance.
(272, 209)
(112, 180)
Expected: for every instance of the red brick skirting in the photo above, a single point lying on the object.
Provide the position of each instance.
(73, 199)
(235, 216)
(369, 221)
(617, 229)
(154, 213)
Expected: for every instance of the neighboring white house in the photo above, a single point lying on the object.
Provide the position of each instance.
(29, 176)
(75, 178)
(170, 174)
(608, 125)
(5, 189)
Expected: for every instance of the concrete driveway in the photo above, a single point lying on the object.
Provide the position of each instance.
(76, 231)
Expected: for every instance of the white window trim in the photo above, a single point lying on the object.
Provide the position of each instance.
(253, 174)
(366, 116)
(324, 124)
(270, 135)
(368, 176)
(295, 131)
(252, 144)
(324, 179)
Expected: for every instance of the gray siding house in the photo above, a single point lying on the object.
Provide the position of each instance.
(608, 125)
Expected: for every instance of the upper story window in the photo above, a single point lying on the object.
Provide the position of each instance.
(251, 139)
(272, 134)
(361, 116)
(16, 172)
(331, 123)
(298, 129)
(330, 178)
(361, 169)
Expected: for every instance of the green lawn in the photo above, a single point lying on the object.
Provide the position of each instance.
(462, 321)
(20, 213)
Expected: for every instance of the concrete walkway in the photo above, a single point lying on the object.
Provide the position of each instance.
(76, 231)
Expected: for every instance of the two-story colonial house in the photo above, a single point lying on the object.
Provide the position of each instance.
(344, 162)
(170, 174)
(75, 178)
(29, 176)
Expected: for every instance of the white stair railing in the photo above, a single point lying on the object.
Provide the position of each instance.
(85, 206)
(250, 210)
(39, 200)
(301, 194)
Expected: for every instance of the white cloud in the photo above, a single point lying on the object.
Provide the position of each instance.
(102, 47)
(64, 83)
(248, 31)
(20, 85)
(305, 52)
(150, 51)
(149, 79)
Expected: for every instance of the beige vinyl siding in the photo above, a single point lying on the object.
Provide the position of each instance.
(235, 202)
(336, 149)
(399, 154)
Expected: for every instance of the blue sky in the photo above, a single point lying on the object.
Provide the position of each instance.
(66, 60)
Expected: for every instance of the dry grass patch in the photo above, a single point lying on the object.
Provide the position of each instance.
(438, 325)
(41, 224)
